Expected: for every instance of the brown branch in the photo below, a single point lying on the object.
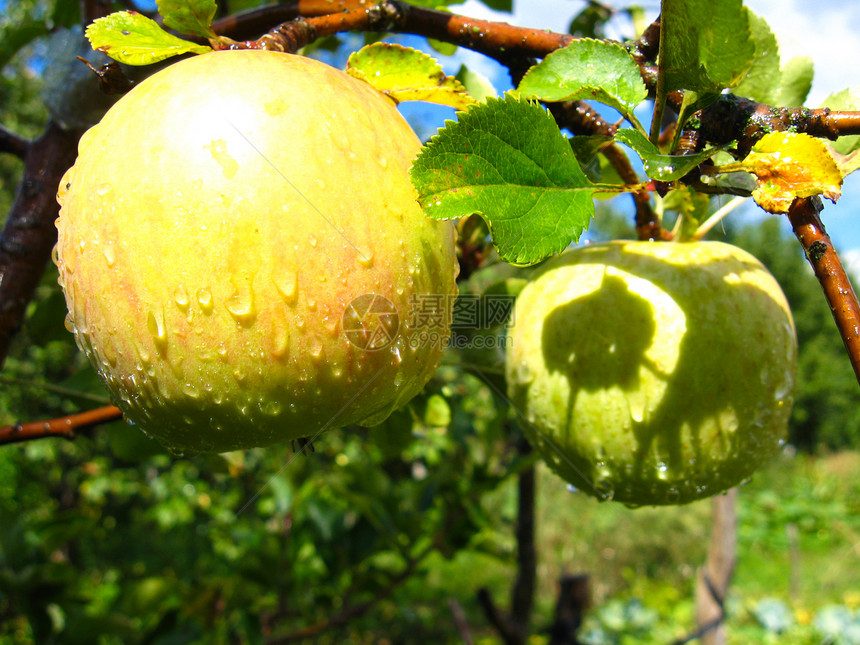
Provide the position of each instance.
(30, 234)
(460, 622)
(498, 40)
(580, 118)
(13, 144)
(733, 118)
(65, 427)
(837, 288)
(522, 595)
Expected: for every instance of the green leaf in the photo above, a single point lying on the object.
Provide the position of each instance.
(134, 39)
(692, 207)
(659, 166)
(795, 83)
(762, 81)
(446, 49)
(704, 45)
(847, 99)
(507, 161)
(477, 85)
(192, 17)
(406, 74)
(587, 69)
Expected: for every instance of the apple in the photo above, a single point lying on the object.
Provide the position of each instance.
(243, 256)
(653, 372)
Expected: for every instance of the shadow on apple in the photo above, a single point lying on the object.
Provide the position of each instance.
(701, 426)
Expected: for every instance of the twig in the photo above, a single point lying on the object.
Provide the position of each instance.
(65, 427)
(30, 234)
(496, 617)
(719, 214)
(460, 621)
(803, 215)
(580, 118)
(13, 144)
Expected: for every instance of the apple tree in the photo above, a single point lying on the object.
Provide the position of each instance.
(255, 249)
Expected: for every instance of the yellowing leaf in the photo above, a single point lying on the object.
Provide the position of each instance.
(846, 163)
(134, 39)
(789, 165)
(406, 74)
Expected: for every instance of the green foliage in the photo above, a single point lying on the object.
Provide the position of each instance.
(507, 161)
(588, 69)
(704, 46)
(659, 166)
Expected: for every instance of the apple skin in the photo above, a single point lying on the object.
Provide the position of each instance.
(653, 373)
(215, 228)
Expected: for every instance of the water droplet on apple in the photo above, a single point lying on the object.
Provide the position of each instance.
(180, 297)
(282, 342)
(286, 283)
(315, 347)
(190, 390)
(157, 329)
(110, 254)
(241, 307)
(204, 299)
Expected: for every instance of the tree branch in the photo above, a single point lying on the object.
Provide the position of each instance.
(514, 628)
(837, 288)
(65, 427)
(30, 233)
(13, 144)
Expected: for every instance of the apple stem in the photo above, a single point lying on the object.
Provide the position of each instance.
(724, 210)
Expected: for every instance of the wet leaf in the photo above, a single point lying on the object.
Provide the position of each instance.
(587, 69)
(406, 74)
(134, 39)
(789, 165)
(705, 45)
(507, 161)
(659, 166)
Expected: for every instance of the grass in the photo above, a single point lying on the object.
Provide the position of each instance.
(798, 556)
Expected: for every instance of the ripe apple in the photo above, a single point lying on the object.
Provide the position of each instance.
(243, 256)
(653, 373)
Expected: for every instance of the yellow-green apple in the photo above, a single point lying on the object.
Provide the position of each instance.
(653, 373)
(243, 257)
